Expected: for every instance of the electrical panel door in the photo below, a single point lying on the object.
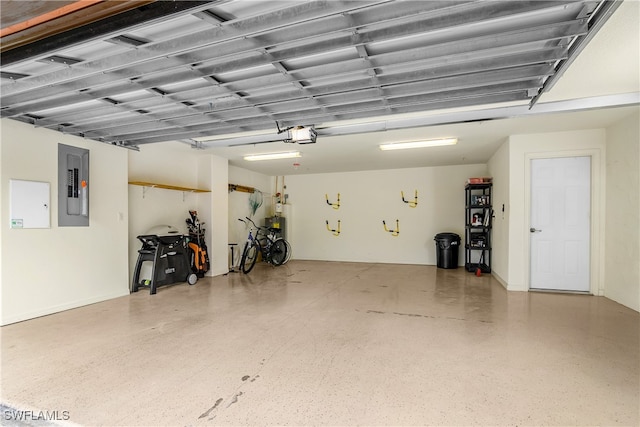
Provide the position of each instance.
(73, 186)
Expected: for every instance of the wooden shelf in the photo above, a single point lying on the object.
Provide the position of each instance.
(168, 187)
(242, 188)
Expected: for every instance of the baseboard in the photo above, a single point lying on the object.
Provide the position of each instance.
(500, 280)
(21, 317)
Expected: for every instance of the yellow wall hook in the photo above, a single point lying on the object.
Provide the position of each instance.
(335, 205)
(335, 232)
(393, 232)
(413, 203)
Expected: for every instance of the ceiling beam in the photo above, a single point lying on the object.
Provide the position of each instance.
(456, 50)
(596, 22)
(106, 18)
(169, 48)
(510, 112)
(218, 44)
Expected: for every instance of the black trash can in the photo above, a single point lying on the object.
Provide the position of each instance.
(447, 248)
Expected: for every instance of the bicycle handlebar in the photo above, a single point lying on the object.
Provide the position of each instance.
(260, 229)
(249, 219)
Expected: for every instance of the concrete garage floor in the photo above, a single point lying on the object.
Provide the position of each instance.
(328, 343)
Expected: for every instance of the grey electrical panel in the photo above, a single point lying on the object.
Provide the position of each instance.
(73, 186)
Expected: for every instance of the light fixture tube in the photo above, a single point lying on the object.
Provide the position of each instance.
(418, 144)
(272, 156)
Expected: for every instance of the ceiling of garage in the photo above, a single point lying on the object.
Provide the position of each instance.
(235, 72)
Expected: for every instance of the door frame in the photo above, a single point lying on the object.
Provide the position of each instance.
(596, 246)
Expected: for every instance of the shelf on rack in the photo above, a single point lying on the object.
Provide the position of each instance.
(478, 186)
(473, 266)
(168, 187)
(478, 219)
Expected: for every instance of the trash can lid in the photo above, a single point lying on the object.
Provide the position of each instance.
(447, 236)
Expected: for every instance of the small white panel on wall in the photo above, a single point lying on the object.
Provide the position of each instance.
(29, 201)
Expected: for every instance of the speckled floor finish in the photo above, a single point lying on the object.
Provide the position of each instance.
(319, 343)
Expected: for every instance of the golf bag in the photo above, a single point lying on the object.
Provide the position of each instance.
(198, 255)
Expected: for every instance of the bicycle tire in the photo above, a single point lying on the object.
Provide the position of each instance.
(278, 252)
(243, 256)
(288, 257)
(249, 257)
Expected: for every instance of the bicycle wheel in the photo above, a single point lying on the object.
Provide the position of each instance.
(288, 257)
(249, 257)
(278, 252)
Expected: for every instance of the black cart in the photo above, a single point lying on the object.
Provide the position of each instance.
(168, 254)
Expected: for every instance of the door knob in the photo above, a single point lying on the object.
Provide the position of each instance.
(533, 230)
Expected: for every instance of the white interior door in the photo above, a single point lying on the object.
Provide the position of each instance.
(560, 223)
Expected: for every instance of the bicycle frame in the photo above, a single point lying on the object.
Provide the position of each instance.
(273, 249)
(265, 243)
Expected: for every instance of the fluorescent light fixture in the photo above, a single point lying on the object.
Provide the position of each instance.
(419, 144)
(272, 156)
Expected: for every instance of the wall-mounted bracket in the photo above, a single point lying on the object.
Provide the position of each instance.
(412, 204)
(144, 190)
(335, 205)
(241, 188)
(394, 232)
(335, 232)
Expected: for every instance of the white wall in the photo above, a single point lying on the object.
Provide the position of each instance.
(215, 206)
(151, 207)
(622, 260)
(523, 148)
(182, 166)
(2, 218)
(498, 167)
(49, 270)
(366, 199)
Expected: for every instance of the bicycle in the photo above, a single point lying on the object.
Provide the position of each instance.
(274, 249)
